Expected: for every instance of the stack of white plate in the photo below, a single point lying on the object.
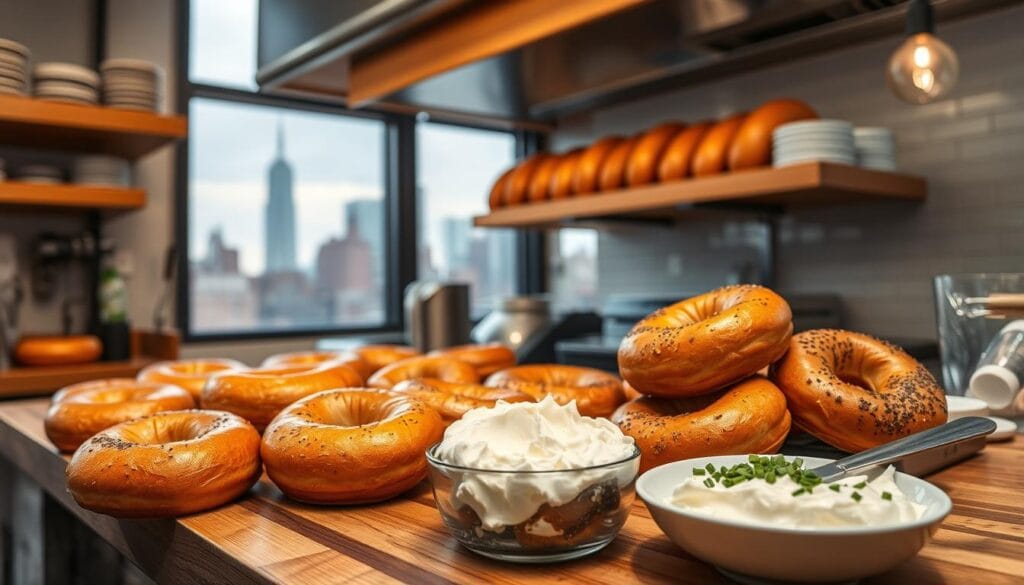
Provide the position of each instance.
(813, 140)
(875, 148)
(101, 170)
(43, 174)
(131, 83)
(65, 82)
(13, 68)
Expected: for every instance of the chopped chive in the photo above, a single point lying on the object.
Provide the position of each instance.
(798, 492)
(887, 496)
(861, 485)
(753, 458)
(856, 496)
(779, 460)
(770, 477)
(834, 487)
(798, 462)
(709, 482)
(710, 468)
(699, 471)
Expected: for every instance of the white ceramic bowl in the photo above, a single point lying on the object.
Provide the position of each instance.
(789, 554)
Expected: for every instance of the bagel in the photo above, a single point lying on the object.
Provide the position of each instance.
(57, 350)
(313, 358)
(613, 170)
(706, 342)
(630, 392)
(565, 172)
(597, 393)
(749, 417)
(588, 167)
(188, 374)
(350, 446)
(642, 167)
(257, 395)
(712, 156)
(675, 162)
(166, 464)
(452, 400)
(81, 410)
(517, 187)
(378, 356)
(856, 392)
(497, 197)
(442, 368)
(487, 358)
(752, 145)
(540, 180)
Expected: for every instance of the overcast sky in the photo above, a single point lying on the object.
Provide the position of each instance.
(334, 159)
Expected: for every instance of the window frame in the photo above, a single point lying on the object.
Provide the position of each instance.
(401, 238)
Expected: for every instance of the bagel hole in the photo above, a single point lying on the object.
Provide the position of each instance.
(355, 410)
(855, 380)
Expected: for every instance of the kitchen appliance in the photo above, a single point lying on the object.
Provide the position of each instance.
(437, 314)
(526, 325)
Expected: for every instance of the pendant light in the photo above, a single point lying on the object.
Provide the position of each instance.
(923, 68)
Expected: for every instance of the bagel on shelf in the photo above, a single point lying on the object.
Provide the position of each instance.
(565, 173)
(707, 342)
(613, 169)
(678, 156)
(712, 155)
(856, 392)
(591, 160)
(57, 350)
(496, 200)
(642, 166)
(517, 187)
(540, 181)
(752, 145)
(748, 417)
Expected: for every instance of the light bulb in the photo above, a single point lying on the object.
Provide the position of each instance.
(922, 69)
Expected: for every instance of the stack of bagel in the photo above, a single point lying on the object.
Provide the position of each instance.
(668, 152)
(319, 422)
(722, 373)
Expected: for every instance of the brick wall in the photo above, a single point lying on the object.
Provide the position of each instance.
(879, 257)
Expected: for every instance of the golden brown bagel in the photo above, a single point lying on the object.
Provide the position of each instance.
(749, 417)
(596, 393)
(678, 155)
(81, 410)
(497, 197)
(257, 395)
(188, 374)
(588, 167)
(313, 358)
(613, 170)
(166, 464)
(752, 145)
(57, 350)
(350, 446)
(442, 368)
(487, 358)
(378, 356)
(642, 167)
(540, 181)
(517, 188)
(704, 343)
(452, 400)
(856, 392)
(630, 392)
(562, 180)
(712, 156)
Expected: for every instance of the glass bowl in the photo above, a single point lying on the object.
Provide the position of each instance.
(561, 515)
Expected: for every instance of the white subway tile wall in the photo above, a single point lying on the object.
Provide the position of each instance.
(880, 258)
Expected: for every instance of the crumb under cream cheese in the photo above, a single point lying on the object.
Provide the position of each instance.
(531, 437)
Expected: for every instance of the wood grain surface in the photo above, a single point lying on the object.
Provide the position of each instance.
(266, 538)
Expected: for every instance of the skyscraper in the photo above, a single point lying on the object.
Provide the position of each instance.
(367, 217)
(279, 214)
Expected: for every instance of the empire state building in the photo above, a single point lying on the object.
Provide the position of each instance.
(279, 214)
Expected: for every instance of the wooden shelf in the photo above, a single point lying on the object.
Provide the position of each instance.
(95, 129)
(17, 195)
(23, 381)
(793, 186)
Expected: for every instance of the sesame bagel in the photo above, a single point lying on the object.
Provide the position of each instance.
(707, 342)
(597, 393)
(856, 392)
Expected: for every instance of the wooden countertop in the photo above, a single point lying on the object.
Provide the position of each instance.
(265, 538)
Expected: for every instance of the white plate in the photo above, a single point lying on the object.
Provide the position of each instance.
(790, 554)
(1005, 429)
(68, 92)
(14, 47)
(7, 90)
(136, 67)
(66, 71)
(872, 131)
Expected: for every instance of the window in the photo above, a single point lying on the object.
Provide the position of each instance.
(572, 266)
(456, 167)
(286, 224)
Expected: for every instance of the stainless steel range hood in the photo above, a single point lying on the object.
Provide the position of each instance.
(532, 67)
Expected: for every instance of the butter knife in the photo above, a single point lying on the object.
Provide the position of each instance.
(919, 453)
